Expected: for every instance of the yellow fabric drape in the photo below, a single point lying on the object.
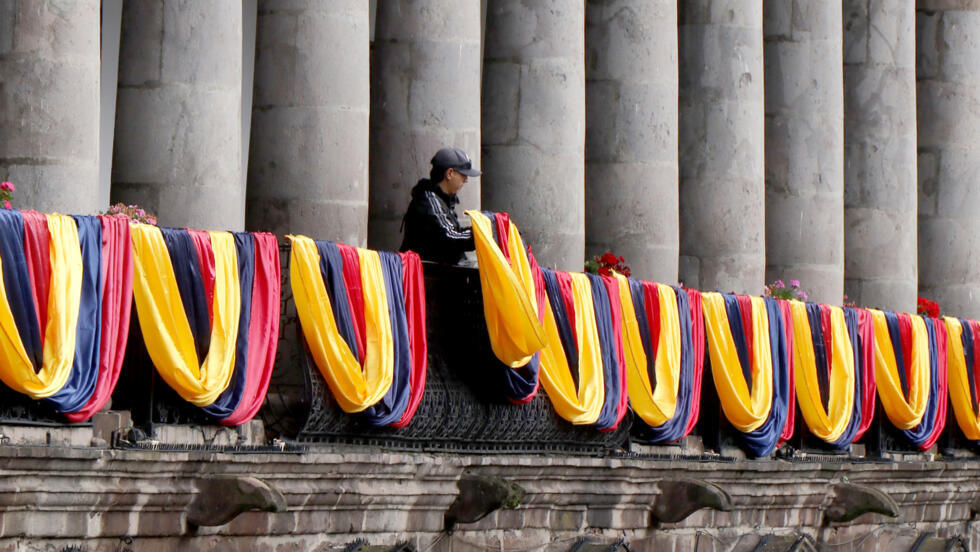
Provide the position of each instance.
(959, 381)
(163, 320)
(64, 298)
(585, 405)
(904, 414)
(827, 426)
(354, 388)
(744, 410)
(509, 301)
(654, 405)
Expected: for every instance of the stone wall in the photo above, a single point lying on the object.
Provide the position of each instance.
(103, 499)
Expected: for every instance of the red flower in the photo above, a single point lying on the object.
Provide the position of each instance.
(928, 307)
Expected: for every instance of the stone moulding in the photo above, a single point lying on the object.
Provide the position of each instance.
(334, 494)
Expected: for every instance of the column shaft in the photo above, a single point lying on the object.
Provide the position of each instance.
(631, 135)
(308, 159)
(178, 112)
(880, 154)
(805, 146)
(49, 103)
(948, 95)
(722, 187)
(425, 95)
(534, 124)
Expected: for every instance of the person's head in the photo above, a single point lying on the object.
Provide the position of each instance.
(451, 167)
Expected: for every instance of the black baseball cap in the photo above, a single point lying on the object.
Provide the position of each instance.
(454, 158)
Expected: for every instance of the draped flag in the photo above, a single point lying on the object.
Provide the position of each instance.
(513, 301)
(834, 368)
(663, 336)
(964, 366)
(910, 370)
(582, 362)
(750, 363)
(64, 302)
(363, 317)
(211, 296)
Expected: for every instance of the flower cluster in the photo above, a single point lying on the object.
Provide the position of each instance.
(132, 212)
(928, 307)
(779, 290)
(7, 190)
(605, 264)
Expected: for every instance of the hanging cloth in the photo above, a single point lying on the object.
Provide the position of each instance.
(746, 410)
(164, 320)
(355, 388)
(572, 366)
(80, 385)
(263, 329)
(510, 297)
(655, 366)
(761, 357)
(117, 301)
(891, 366)
(829, 423)
(25, 365)
(962, 365)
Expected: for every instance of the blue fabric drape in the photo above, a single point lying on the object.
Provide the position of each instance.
(921, 433)
(231, 397)
(17, 282)
(391, 407)
(672, 429)
(763, 440)
(608, 416)
(88, 334)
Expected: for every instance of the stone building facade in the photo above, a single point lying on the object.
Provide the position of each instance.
(722, 143)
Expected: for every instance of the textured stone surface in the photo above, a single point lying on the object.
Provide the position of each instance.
(49, 103)
(880, 252)
(948, 95)
(308, 158)
(721, 120)
(425, 95)
(631, 136)
(533, 117)
(178, 113)
(110, 498)
(805, 146)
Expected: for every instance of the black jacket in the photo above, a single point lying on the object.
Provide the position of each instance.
(431, 227)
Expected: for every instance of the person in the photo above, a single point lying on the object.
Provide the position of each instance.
(431, 226)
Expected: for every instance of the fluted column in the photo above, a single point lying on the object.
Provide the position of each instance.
(805, 146)
(722, 188)
(880, 154)
(425, 95)
(948, 92)
(49, 103)
(631, 135)
(308, 159)
(178, 112)
(534, 123)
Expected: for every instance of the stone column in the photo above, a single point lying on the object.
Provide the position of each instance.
(534, 124)
(880, 154)
(631, 136)
(178, 112)
(721, 119)
(425, 95)
(805, 146)
(308, 162)
(49, 104)
(948, 94)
